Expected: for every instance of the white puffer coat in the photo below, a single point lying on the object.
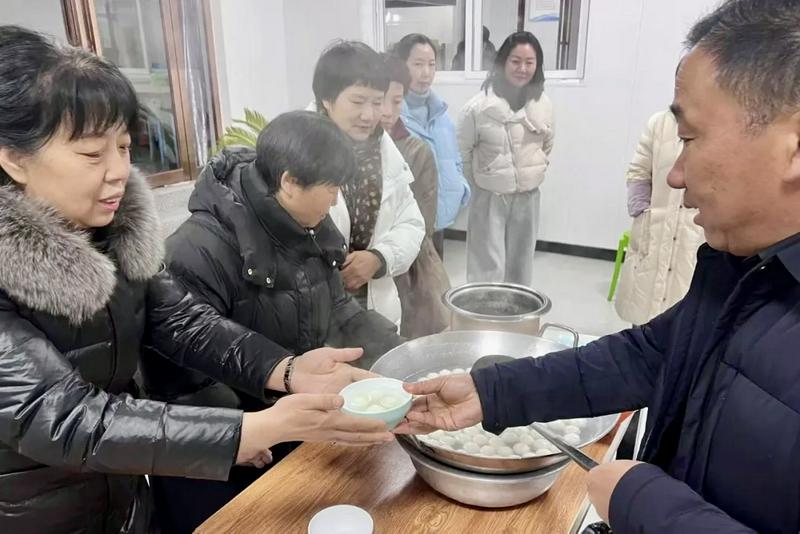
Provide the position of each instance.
(661, 256)
(399, 229)
(505, 151)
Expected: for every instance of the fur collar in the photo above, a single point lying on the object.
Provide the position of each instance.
(48, 265)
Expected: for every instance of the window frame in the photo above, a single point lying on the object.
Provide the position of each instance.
(80, 20)
(473, 21)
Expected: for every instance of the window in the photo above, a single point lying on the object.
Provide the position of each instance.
(560, 26)
(162, 46)
(441, 20)
(131, 37)
(556, 23)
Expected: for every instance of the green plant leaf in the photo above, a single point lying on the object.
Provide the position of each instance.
(255, 119)
(238, 137)
(244, 132)
(248, 126)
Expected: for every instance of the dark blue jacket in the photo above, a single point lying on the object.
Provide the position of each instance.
(720, 373)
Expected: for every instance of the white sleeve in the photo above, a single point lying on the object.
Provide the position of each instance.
(466, 133)
(400, 245)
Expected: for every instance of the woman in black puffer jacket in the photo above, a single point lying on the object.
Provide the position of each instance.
(82, 289)
(262, 250)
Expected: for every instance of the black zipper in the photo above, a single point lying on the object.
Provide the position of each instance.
(113, 347)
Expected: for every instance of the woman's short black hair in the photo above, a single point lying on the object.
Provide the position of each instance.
(498, 72)
(344, 64)
(404, 45)
(398, 70)
(45, 87)
(307, 145)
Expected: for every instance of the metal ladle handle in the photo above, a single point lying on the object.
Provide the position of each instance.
(575, 454)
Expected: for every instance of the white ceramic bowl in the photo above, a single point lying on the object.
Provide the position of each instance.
(384, 386)
(341, 519)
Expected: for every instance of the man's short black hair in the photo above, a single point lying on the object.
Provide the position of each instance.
(755, 45)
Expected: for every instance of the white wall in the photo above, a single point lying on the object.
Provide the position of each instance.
(266, 49)
(652, 76)
(41, 15)
(311, 25)
(633, 49)
(250, 44)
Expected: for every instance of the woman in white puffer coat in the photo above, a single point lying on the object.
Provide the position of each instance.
(376, 212)
(505, 134)
(664, 240)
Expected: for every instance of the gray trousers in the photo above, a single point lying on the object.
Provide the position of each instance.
(501, 236)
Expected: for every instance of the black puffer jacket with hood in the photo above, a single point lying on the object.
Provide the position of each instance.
(245, 255)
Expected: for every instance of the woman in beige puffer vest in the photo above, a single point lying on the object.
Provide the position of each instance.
(505, 134)
(664, 240)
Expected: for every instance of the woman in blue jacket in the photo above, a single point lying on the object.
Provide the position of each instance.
(425, 116)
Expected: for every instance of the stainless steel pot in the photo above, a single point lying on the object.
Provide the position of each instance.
(449, 350)
(489, 491)
(496, 306)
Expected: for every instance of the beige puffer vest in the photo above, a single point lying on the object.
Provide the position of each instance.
(505, 151)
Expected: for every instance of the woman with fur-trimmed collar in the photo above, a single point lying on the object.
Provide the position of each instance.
(82, 289)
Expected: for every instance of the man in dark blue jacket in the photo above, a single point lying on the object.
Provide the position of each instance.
(720, 371)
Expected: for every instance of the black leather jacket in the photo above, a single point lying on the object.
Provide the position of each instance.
(75, 310)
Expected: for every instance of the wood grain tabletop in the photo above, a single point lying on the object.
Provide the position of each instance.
(382, 480)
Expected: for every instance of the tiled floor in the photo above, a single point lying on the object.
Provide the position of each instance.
(576, 286)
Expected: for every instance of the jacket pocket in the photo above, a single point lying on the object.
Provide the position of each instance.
(640, 234)
(493, 161)
(498, 174)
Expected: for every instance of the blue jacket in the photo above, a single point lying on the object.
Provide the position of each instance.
(720, 373)
(441, 136)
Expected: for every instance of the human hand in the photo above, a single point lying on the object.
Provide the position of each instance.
(602, 481)
(448, 403)
(359, 268)
(304, 417)
(327, 370)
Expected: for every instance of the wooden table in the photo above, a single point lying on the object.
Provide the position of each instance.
(382, 481)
